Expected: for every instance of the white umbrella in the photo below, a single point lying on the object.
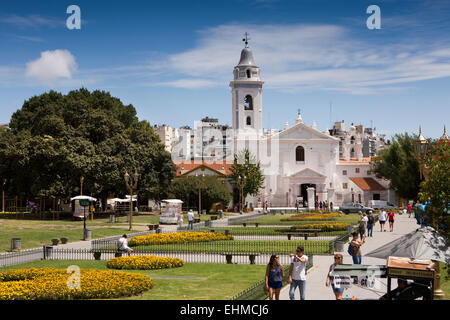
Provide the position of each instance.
(83, 198)
(424, 243)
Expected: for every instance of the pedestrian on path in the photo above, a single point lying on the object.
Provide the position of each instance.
(391, 221)
(363, 225)
(338, 259)
(297, 273)
(355, 245)
(382, 219)
(274, 277)
(190, 217)
(370, 223)
(180, 219)
(409, 208)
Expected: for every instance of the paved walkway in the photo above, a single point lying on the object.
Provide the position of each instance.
(315, 279)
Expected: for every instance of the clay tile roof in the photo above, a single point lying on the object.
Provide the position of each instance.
(221, 167)
(367, 184)
(354, 160)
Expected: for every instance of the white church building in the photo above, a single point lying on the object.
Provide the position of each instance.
(299, 162)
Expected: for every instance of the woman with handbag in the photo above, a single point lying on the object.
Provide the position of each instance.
(274, 277)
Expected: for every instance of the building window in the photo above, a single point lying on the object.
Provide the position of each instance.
(249, 74)
(357, 170)
(376, 196)
(249, 121)
(344, 185)
(299, 154)
(344, 172)
(352, 153)
(248, 102)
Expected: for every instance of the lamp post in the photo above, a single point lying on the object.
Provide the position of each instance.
(420, 150)
(241, 183)
(131, 184)
(199, 186)
(3, 194)
(81, 182)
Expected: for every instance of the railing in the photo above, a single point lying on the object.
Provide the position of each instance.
(256, 291)
(13, 258)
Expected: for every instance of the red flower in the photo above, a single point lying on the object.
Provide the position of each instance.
(430, 151)
(446, 155)
(436, 157)
(439, 142)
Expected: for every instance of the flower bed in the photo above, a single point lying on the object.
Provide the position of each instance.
(144, 263)
(314, 217)
(52, 284)
(324, 226)
(177, 237)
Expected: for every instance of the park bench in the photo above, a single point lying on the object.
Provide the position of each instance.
(302, 233)
(153, 226)
(229, 256)
(250, 223)
(227, 231)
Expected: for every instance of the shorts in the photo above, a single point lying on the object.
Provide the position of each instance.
(275, 285)
(382, 222)
(337, 290)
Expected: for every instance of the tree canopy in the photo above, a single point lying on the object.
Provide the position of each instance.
(245, 164)
(54, 139)
(398, 163)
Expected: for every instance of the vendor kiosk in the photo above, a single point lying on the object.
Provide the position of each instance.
(421, 272)
(170, 210)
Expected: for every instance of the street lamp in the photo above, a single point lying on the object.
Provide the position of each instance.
(81, 182)
(420, 149)
(241, 183)
(199, 186)
(3, 194)
(131, 184)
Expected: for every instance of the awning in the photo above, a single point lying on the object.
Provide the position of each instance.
(83, 198)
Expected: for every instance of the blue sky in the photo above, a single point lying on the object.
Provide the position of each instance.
(173, 60)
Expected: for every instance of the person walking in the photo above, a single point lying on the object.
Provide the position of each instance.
(409, 208)
(331, 206)
(338, 259)
(297, 273)
(355, 246)
(363, 225)
(180, 219)
(190, 217)
(382, 219)
(123, 245)
(391, 220)
(274, 277)
(370, 223)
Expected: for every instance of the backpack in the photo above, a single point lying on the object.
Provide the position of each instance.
(371, 220)
(350, 250)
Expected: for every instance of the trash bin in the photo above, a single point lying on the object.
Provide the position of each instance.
(221, 214)
(207, 223)
(339, 246)
(112, 218)
(87, 234)
(158, 230)
(15, 244)
(48, 252)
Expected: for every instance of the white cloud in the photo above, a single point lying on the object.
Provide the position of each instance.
(312, 57)
(51, 67)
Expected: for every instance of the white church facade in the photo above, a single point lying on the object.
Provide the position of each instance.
(299, 162)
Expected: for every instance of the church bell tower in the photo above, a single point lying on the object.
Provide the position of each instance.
(246, 90)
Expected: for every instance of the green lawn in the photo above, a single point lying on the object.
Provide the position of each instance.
(244, 246)
(38, 233)
(218, 281)
(445, 280)
(276, 220)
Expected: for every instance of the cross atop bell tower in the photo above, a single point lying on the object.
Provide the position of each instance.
(246, 39)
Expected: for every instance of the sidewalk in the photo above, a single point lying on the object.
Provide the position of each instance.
(315, 279)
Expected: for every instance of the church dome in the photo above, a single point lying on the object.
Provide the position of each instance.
(247, 58)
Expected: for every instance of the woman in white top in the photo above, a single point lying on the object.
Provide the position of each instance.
(382, 219)
(338, 259)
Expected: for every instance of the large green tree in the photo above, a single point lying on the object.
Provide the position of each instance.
(245, 164)
(54, 139)
(213, 190)
(436, 187)
(398, 164)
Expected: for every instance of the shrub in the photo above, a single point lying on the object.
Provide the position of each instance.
(144, 263)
